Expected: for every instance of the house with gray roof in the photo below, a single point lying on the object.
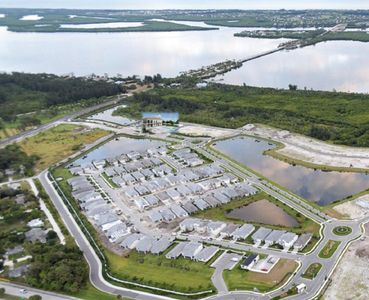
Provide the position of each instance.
(302, 241)
(212, 201)
(160, 245)
(215, 227)
(287, 240)
(176, 251)
(168, 215)
(178, 211)
(221, 197)
(260, 235)
(155, 216)
(141, 204)
(273, 237)
(152, 200)
(142, 190)
(228, 230)
(191, 249)
(173, 194)
(183, 190)
(131, 192)
(241, 233)
(201, 204)
(131, 241)
(144, 245)
(189, 207)
(206, 254)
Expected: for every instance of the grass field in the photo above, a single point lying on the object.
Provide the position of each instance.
(58, 143)
(91, 293)
(329, 249)
(180, 274)
(312, 271)
(239, 279)
(220, 214)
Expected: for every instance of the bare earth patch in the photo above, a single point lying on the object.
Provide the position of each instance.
(202, 130)
(351, 210)
(351, 278)
(315, 151)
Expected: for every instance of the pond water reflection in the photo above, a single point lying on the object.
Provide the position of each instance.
(115, 148)
(263, 212)
(315, 185)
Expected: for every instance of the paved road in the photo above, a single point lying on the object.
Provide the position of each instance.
(15, 289)
(48, 214)
(94, 262)
(20, 136)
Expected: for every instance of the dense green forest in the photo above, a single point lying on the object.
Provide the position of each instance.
(13, 158)
(53, 266)
(341, 118)
(21, 93)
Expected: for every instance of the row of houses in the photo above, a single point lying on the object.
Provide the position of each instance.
(124, 163)
(193, 250)
(215, 229)
(99, 211)
(280, 237)
(146, 244)
(187, 157)
(180, 206)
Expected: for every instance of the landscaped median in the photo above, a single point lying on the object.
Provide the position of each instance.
(180, 278)
(329, 249)
(342, 230)
(312, 271)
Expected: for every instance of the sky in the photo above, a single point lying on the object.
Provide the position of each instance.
(188, 4)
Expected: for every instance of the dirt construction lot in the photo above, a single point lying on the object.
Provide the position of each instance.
(315, 151)
(351, 278)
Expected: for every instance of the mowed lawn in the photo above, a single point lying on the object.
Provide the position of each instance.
(239, 279)
(177, 274)
(59, 142)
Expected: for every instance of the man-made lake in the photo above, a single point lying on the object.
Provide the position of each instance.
(318, 186)
(115, 148)
(107, 115)
(263, 212)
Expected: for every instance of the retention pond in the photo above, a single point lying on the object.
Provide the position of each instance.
(315, 185)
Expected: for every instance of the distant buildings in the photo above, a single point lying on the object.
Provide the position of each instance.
(155, 119)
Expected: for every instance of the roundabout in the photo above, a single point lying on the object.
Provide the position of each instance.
(342, 230)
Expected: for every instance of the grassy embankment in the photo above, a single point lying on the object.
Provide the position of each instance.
(59, 142)
(329, 249)
(180, 275)
(312, 271)
(239, 279)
